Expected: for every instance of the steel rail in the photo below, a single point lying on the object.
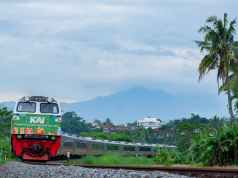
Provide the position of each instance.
(188, 171)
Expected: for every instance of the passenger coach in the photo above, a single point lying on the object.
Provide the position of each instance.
(79, 146)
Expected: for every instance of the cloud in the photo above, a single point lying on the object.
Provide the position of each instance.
(79, 50)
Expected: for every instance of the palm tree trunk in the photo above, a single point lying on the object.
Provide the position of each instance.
(229, 100)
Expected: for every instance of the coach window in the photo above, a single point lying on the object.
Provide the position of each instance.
(110, 147)
(26, 107)
(129, 148)
(49, 108)
(145, 149)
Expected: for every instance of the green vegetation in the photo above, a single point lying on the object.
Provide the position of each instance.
(5, 122)
(73, 124)
(5, 128)
(219, 148)
(163, 157)
(117, 159)
(5, 154)
(167, 157)
(115, 136)
(222, 52)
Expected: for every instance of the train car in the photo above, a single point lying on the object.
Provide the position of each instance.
(129, 149)
(36, 128)
(79, 146)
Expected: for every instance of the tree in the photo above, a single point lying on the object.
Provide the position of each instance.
(214, 122)
(98, 121)
(184, 136)
(132, 124)
(71, 123)
(159, 120)
(221, 47)
(5, 122)
(108, 122)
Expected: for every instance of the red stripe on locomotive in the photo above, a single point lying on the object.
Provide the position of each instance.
(35, 149)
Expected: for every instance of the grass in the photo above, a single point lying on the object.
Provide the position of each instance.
(116, 159)
(194, 164)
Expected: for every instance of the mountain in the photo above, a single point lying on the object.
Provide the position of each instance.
(10, 105)
(137, 103)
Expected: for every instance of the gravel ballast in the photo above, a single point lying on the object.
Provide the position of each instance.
(15, 169)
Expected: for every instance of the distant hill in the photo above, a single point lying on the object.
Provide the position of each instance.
(137, 103)
(10, 105)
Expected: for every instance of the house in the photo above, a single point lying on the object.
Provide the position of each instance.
(119, 128)
(160, 133)
(108, 130)
(107, 126)
(95, 125)
(132, 128)
(149, 122)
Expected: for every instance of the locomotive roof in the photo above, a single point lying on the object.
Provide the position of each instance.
(73, 136)
(37, 99)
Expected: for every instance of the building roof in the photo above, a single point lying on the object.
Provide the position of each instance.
(106, 126)
(95, 126)
(160, 132)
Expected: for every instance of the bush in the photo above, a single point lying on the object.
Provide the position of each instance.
(5, 154)
(217, 149)
(163, 157)
(116, 159)
(120, 137)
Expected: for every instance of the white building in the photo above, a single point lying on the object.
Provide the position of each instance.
(149, 122)
(95, 125)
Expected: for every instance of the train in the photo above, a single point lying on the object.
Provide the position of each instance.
(78, 146)
(36, 135)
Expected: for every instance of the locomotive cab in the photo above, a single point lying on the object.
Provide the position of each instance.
(36, 128)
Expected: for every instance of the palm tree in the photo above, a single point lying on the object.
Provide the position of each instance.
(214, 122)
(221, 47)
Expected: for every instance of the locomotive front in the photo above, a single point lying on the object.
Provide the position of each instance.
(36, 128)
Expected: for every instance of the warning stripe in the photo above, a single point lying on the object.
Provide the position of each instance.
(67, 149)
(96, 151)
(112, 152)
(144, 152)
(82, 150)
(128, 152)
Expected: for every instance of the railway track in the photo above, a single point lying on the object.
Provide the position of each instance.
(188, 171)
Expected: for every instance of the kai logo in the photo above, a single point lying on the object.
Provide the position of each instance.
(37, 120)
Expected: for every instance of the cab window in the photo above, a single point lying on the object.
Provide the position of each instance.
(49, 108)
(26, 107)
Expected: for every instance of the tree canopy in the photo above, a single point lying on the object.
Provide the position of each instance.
(222, 49)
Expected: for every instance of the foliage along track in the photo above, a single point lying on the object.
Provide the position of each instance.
(188, 171)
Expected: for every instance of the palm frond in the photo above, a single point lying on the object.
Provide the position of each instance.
(225, 21)
(212, 19)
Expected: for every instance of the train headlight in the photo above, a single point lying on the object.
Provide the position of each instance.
(49, 99)
(53, 138)
(26, 98)
(19, 137)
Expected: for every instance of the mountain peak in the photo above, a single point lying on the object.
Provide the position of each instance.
(139, 102)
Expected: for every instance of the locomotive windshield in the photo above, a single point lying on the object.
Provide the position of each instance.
(26, 107)
(49, 108)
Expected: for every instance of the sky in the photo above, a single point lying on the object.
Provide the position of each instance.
(77, 50)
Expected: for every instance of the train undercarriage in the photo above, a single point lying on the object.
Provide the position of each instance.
(35, 149)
